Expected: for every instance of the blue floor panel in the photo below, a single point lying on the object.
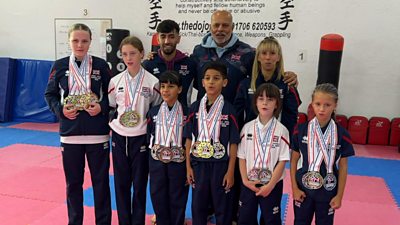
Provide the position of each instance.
(11, 136)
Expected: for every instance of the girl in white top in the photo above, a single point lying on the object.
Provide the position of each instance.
(263, 153)
(132, 93)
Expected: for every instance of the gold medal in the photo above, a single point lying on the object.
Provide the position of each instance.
(79, 102)
(130, 119)
(93, 98)
(70, 99)
(90, 98)
(206, 150)
(82, 102)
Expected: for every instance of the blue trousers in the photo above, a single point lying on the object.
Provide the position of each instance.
(98, 157)
(209, 189)
(168, 191)
(131, 168)
(304, 212)
(270, 206)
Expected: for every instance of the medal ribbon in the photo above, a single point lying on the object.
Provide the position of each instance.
(327, 143)
(318, 145)
(209, 123)
(133, 87)
(261, 143)
(168, 125)
(79, 81)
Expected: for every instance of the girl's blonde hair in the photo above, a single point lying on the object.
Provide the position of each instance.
(268, 44)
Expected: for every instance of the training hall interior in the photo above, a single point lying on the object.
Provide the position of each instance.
(351, 44)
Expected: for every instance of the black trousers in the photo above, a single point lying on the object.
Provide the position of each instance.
(304, 212)
(168, 191)
(98, 157)
(208, 189)
(131, 168)
(270, 206)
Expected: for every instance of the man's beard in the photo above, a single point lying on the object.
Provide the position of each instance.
(168, 51)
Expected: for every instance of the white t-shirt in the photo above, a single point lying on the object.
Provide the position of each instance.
(279, 151)
(148, 95)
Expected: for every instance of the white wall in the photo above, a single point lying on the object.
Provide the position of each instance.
(370, 69)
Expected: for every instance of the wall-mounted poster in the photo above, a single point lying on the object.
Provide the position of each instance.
(97, 26)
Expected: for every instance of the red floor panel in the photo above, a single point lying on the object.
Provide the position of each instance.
(370, 192)
(28, 155)
(22, 211)
(51, 127)
(46, 184)
(59, 216)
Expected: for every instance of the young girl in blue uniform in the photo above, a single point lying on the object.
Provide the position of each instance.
(263, 153)
(76, 93)
(132, 92)
(168, 188)
(322, 145)
(211, 155)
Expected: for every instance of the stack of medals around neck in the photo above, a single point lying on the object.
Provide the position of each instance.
(262, 153)
(81, 102)
(79, 83)
(263, 175)
(208, 144)
(323, 146)
(168, 136)
(133, 85)
(168, 154)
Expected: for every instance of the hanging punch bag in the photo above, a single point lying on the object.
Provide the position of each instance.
(330, 57)
(114, 58)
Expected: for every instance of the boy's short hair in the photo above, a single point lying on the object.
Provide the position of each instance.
(171, 77)
(218, 66)
(271, 91)
(167, 26)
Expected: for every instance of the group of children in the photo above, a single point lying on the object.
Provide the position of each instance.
(154, 134)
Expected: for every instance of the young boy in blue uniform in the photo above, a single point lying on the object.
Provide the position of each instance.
(211, 154)
(318, 185)
(168, 188)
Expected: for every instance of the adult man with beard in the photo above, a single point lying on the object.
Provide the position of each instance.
(170, 58)
(223, 45)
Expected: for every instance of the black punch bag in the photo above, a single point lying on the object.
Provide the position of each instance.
(114, 58)
(330, 57)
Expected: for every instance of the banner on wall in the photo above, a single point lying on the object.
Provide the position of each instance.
(253, 19)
